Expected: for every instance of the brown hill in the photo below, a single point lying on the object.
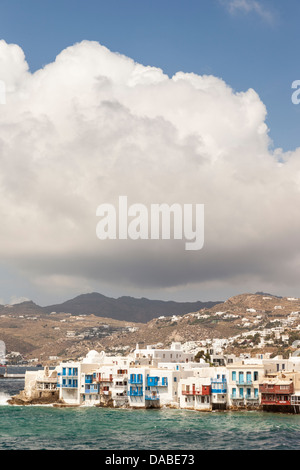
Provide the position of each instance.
(71, 336)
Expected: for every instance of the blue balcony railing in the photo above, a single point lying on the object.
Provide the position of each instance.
(237, 397)
(135, 393)
(69, 386)
(91, 390)
(218, 390)
(157, 382)
(244, 382)
(152, 397)
(218, 385)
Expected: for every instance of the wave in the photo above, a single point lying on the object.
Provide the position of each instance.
(4, 397)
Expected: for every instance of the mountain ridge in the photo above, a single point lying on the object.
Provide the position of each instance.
(140, 310)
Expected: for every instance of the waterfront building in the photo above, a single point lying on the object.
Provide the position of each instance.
(152, 377)
(219, 389)
(281, 391)
(110, 382)
(276, 391)
(153, 386)
(243, 384)
(97, 379)
(72, 377)
(40, 387)
(195, 393)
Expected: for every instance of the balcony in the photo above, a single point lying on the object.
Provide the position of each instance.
(253, 400)
(152, 397)
(275, 400)
(104, 379)
(69, 386)
(156, 382)
(282, 389)
(218, 385)
(135, 393)
(91, 390)
(195, 392)
(236, 397)
(244, 382)
(70, 372)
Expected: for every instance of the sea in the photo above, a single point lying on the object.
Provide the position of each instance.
(45, 427)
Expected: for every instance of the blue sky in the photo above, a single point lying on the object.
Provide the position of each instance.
(250, 44)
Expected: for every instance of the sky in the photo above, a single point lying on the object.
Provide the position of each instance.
(164, 102)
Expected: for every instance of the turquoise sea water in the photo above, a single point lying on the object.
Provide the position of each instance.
(36, 428)
(49, 428)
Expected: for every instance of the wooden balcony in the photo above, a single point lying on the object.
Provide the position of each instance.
(280, 389)
(270, 399)
(204, 390)
(103, 379)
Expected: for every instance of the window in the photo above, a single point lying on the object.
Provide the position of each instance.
(233, 375)
(255, 375)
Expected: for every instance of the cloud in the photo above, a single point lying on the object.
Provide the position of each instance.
(94, 125)
(249, 6)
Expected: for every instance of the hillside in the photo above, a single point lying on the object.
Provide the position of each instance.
(71, 336)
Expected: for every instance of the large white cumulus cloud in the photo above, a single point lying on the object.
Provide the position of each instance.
(94, 125)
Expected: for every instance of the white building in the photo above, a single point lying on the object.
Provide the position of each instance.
(153, 356)
(150, 386)
(195, 393)
(243, 383)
